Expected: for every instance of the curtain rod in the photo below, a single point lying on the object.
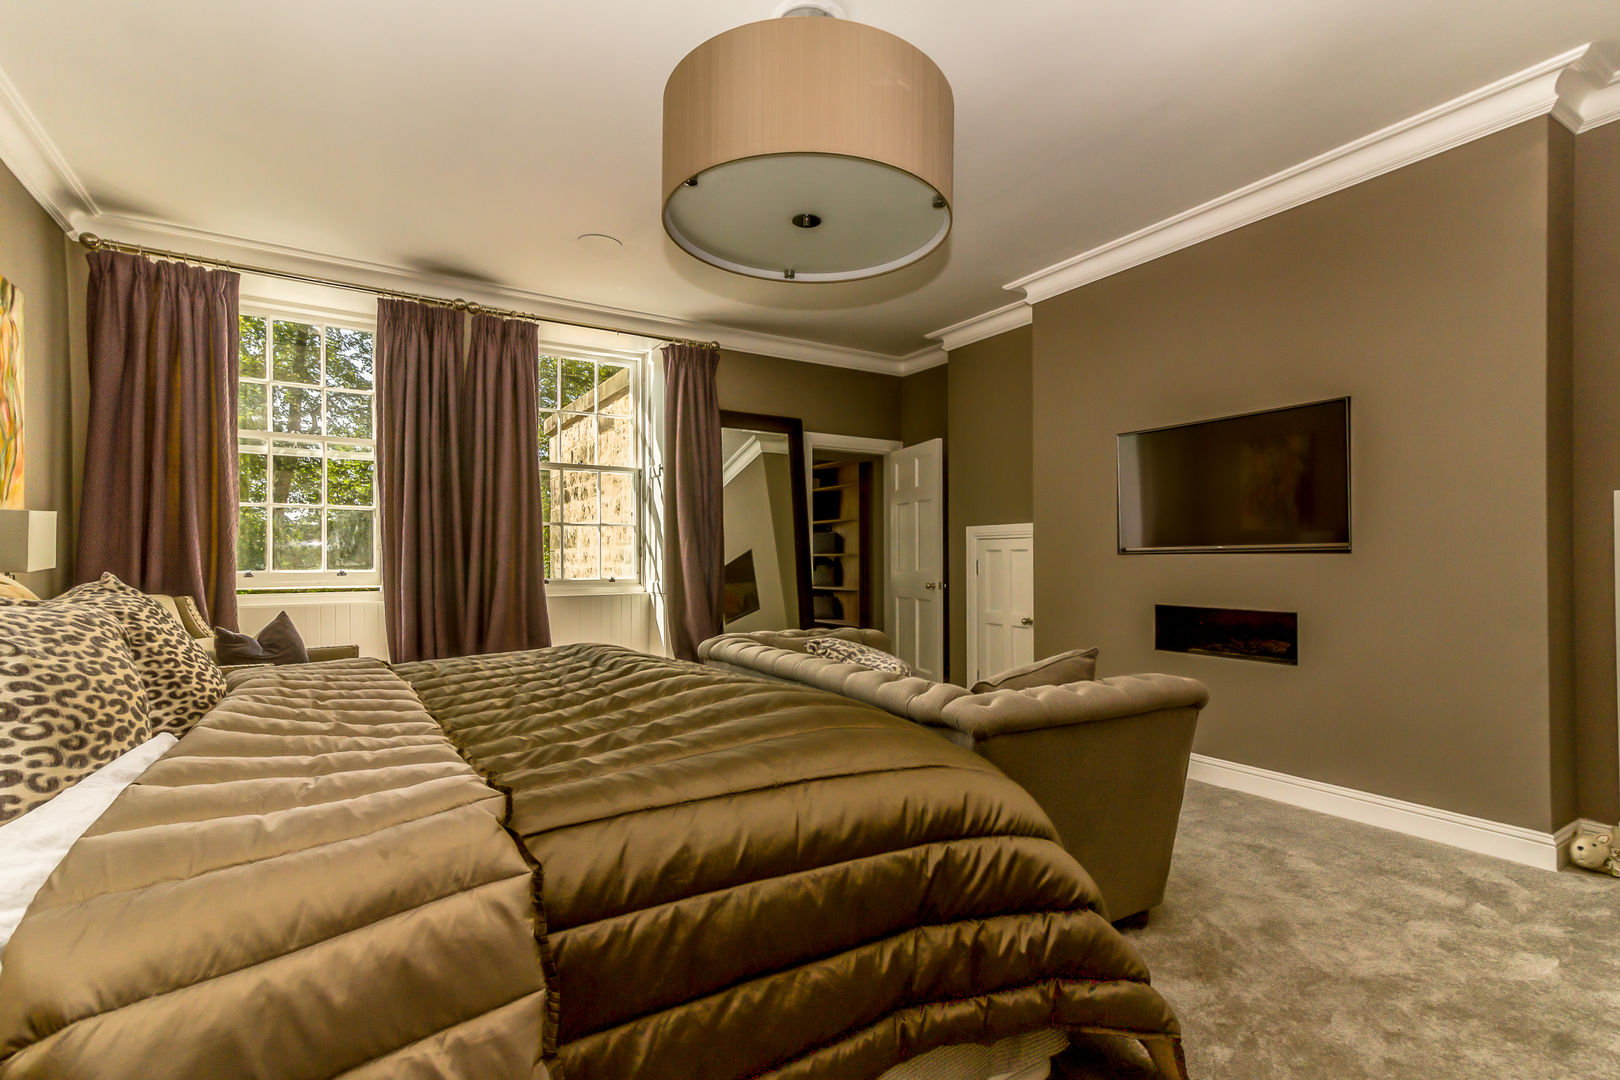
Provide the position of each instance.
(97, 243)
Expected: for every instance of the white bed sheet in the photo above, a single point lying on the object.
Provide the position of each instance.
(1017, 1057)
(31, 846)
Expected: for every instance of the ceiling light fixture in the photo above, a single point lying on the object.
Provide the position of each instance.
(808, 148)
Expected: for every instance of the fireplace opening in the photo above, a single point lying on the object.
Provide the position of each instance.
(1271, 637)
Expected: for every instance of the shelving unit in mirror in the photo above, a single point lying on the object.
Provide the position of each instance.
(840, 542)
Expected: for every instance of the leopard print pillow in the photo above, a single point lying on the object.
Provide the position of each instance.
(182, 683)
(853, 652)
(70, 700)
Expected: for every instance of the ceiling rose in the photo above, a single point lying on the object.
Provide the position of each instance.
(807, 149)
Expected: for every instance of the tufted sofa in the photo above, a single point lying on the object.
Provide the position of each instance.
(1106, 758)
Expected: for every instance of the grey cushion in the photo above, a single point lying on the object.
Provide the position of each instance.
(1076, 665)
(278, 643)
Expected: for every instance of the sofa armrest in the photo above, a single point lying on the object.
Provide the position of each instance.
(1001, 712)
(318, 653)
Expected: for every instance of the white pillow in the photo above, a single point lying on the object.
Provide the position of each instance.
(31, 846)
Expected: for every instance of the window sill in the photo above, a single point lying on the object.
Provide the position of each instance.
(606, 588)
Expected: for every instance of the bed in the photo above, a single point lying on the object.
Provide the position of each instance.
(580, 861)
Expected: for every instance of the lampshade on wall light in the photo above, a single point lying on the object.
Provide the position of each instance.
(808, 149)
(27, 541)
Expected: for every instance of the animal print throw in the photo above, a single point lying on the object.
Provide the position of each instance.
(853, 652)
(70, 700)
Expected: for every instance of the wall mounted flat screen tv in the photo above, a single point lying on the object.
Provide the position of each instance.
(1268, 481)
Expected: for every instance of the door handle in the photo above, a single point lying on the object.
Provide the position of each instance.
(930, 585)
(1027, 620)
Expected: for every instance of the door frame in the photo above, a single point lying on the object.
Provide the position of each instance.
(851, 444)
(975, 533)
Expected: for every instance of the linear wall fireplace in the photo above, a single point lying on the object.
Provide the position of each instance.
(1271, 637)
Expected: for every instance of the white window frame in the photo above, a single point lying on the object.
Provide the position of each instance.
(307, 580)
(634, 362)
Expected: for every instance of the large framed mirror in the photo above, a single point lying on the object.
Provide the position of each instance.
(767, 530)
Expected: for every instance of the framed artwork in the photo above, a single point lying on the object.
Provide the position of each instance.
(11, 396)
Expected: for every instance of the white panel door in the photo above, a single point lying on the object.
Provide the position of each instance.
(914, 492)
(1001, 599)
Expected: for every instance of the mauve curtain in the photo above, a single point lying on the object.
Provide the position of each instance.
(419, 362)
(694, 529)
(159, 502)
(506, 585)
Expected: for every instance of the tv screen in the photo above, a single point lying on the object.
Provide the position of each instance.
(1266, 481)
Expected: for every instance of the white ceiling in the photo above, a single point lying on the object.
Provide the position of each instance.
(479, 139)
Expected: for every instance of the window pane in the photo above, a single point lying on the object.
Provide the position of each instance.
(618, 552)
(576, 445)
(579, 496)
(348, 540)
(618, 498)
(615, 441)
(250, 471)
(295, 479)
(546, 505)
(295, 411)
(251, 349)
(613, 389)
(296, 533)
(250, 538)
(348, 358)
(579, 552)
(578, 385)
(554, 486)
(548, 382)
(349, 482)
(548, 432)
(554, 559)
(250, 407)
(348, 415)
(297, 352)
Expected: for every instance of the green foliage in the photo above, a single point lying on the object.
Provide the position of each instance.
(349, 482)
(296, 352)
(296, 479)
(250, 470)
(250, 538)
(250, 351)
(250, 406)
(297, 533)
(348, 415)
(548, 383)
(349, 540)
(348, 358)
(295, 411)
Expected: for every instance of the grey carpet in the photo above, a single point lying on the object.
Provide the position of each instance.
(1298, 945)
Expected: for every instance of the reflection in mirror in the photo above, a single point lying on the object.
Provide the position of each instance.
(765, 572)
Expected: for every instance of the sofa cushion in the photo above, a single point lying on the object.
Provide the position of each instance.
(71, 700)
(1076, 665)
(278, 643)
(841, 651)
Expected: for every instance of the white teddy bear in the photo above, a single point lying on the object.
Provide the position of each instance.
(1595, 852)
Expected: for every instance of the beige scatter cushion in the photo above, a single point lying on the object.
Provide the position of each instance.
(12, 589)
(71, 700)
(1076, 665)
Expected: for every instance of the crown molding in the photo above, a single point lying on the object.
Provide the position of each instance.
(36, 162)
(1004, 318)
(921, 360)
(387, 277)
(1589, 92)
(1513, 100)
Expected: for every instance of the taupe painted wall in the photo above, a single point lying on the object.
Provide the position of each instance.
(833, 400)
(923, 405)
(988, 458)
(1425, 654)
(31, 257)
(1597, 462)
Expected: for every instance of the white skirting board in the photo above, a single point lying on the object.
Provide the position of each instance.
(1511, 842)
